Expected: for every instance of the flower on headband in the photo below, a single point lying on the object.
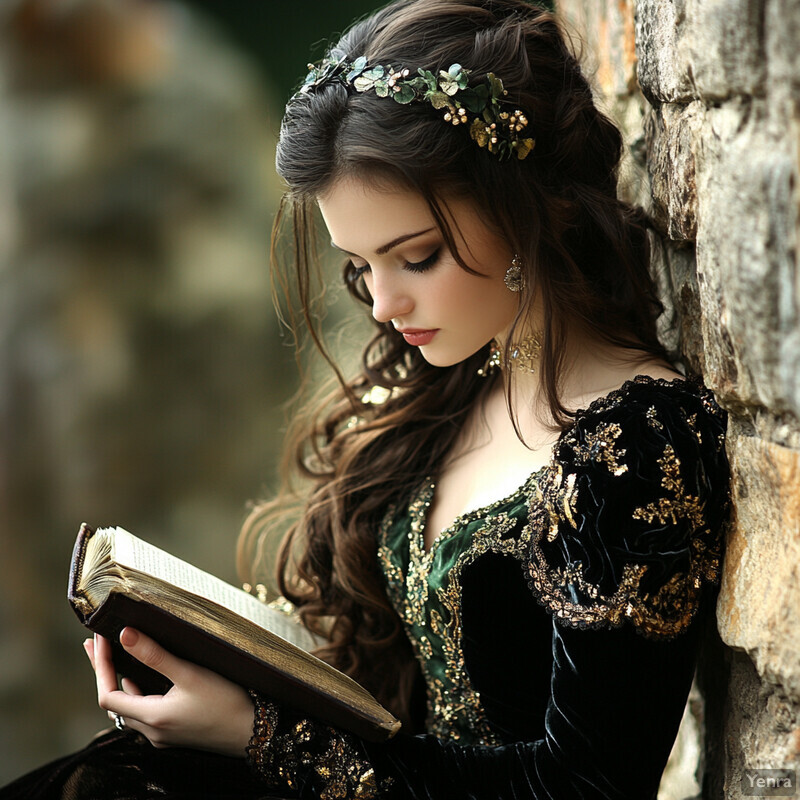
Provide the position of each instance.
(480, 107)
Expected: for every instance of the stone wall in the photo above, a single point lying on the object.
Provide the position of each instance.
(707, 93)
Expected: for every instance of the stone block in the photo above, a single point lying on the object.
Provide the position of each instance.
(747, 221)
(758, 609)
(782, 34)
(679, 327)
(628, 113)
(706, 49)
(670, 133)
(722, 45)
(662, 71)
(760, 731)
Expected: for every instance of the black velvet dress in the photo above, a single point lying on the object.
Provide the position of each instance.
(557, 631)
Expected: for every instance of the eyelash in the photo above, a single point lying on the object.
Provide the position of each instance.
(410, 266)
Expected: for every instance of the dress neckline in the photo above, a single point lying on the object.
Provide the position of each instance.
(428, 486)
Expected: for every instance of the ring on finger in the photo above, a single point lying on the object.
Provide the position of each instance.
(119, 722)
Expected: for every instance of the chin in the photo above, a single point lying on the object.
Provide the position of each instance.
(439, 360)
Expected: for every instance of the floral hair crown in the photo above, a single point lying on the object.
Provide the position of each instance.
(480, 107)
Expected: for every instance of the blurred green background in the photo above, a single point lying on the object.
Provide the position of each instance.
(143, 374)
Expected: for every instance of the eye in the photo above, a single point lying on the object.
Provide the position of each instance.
(354, 272)
(425, 264)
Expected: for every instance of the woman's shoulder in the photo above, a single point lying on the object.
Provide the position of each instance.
(653, 437)
(628, 524)
(647, 408)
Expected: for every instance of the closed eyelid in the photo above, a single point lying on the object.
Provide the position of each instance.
(423, 265)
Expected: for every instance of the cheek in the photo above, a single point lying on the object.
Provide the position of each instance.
(455, 293)
(477, 298)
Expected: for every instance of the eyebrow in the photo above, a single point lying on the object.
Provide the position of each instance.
(381, 251)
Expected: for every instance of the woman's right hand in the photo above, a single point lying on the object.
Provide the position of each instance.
(202, 710)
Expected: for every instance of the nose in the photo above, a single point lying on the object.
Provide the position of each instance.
(390, 299)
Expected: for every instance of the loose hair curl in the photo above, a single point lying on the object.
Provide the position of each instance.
(585, 254)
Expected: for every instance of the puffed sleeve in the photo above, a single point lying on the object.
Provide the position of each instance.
(626, 535)
(628, 524)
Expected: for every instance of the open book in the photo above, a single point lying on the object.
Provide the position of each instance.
(117, 579)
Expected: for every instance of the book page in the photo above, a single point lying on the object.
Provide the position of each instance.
(130, 551)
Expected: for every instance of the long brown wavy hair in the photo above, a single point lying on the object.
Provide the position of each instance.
(586, 257)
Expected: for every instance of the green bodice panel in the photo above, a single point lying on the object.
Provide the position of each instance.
(425, 588)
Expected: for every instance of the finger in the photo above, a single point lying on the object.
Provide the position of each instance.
(129, 687)
(152, 654)
(88, 648)
(133, 707)
(104, 666)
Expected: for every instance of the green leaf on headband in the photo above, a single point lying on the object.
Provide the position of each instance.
(523, 147)
(474, 99)
(438, 99)
(429, 78)
(363, 84)
(477, 130)
(381, 88)
(454, 71)
(447, 84)
(359, 65)
(404, 95)
(374, 73)
(496, 86)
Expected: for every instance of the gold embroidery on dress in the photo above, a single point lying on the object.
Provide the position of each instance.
(331, 754)
(652, 419)
(419, 563)
(680, 505)
(458, 697)
(665, 613)
(343, 769)
(454, 706)
(691, 421)
(600, 446)
(562, 498)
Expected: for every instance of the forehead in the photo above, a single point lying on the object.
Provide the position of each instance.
(357, 210)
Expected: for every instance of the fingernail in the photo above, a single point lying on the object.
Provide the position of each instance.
(128, 637)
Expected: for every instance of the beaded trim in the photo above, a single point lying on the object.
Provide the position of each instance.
(306, 754)
(492, 120)
(265, 722)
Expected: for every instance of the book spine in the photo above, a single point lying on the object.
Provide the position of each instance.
(78, 600)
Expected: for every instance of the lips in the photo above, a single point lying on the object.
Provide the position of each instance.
(418, 337)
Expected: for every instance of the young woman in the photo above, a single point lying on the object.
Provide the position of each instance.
(516, 549)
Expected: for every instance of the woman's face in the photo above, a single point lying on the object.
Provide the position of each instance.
(414, 280)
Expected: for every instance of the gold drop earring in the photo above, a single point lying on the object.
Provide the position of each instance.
(514, 279)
